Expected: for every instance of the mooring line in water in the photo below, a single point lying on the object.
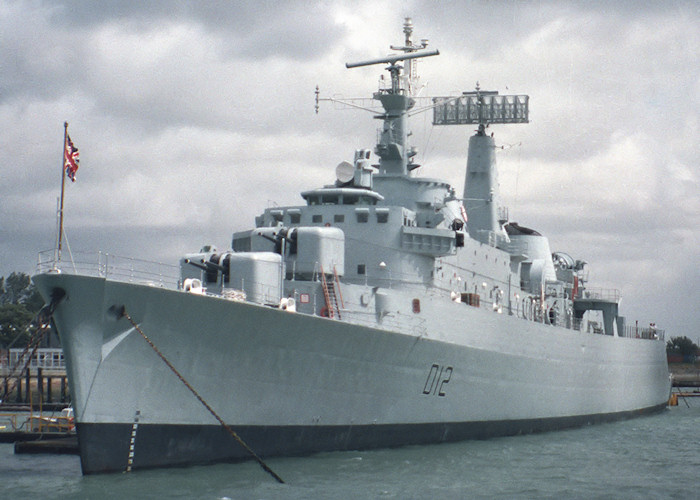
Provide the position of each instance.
(121, 311)
(24, 359)
(43, 321)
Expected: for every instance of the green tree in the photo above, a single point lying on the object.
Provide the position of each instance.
(14, 287)
(681, 345)
(14, 325)
(19, 303)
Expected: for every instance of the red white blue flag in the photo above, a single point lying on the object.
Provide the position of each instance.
(71, 159)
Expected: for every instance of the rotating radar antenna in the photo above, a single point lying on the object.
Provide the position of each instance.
(403, 79)
(481, 107)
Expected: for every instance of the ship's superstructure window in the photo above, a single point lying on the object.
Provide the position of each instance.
(277, 215)
(241, 244)
(382, 216)
(362, 214)
(360, 269)
(341, 196)
(294, 216)
(318, 218)
(338, 218)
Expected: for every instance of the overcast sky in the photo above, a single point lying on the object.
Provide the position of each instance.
(191, 118)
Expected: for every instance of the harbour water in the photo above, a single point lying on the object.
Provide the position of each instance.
(649, 457)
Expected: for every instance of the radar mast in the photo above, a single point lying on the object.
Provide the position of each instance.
(410, 76)
(395, 155)
(481, 190)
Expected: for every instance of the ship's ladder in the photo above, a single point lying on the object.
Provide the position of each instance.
(332, 294)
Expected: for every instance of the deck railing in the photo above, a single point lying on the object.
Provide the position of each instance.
(111, 266)
(606, 294)
(649, 333)
(167, 275)
(131, 270)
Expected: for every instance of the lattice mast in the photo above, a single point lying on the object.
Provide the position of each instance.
(481, 189)
(395, 154)
(410, 76)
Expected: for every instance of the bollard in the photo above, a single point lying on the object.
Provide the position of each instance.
(49, 399)
(18, 393)
(40, 383)
(63, 389)
(27, 388)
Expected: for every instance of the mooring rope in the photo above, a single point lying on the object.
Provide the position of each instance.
(122, 312)
(43, 319)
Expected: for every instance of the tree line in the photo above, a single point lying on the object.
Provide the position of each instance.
(19, 303)
(682, 345)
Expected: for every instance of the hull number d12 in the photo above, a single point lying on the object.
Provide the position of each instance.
(438, 378)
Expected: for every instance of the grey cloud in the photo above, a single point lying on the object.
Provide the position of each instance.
(258, 29)
(193, 117)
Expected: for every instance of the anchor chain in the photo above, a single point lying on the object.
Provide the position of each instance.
(122, 312)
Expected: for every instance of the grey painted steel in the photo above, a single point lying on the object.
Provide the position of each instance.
(259, 366)
(400, 320)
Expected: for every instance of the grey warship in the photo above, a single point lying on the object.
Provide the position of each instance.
(386, 310)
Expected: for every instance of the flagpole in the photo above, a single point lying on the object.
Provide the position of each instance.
(63, 186)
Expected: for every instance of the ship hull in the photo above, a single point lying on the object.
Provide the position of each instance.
(103, 446)
(292, 384)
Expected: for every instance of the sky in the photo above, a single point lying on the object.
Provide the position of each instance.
(193, 117)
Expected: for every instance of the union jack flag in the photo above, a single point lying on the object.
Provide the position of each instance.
(71, 159)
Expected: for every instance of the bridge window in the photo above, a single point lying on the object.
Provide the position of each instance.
(339, 218)
(317, 218)
(367, 200)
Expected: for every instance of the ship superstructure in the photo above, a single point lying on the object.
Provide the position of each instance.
(387, 309)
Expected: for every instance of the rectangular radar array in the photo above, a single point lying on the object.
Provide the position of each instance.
(482, 107)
